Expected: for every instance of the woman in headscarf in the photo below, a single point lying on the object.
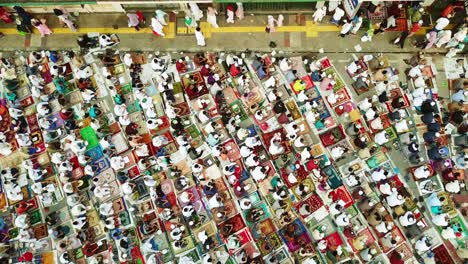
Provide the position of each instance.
(240, 11)
(25, 18)
(211, 17)
(41, 25)
(157, 27)
(64, 17)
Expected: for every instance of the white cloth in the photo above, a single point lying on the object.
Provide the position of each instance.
(200, 38)
(441, 23)
(319, 14)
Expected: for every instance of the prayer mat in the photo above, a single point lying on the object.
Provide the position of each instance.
(90, 136)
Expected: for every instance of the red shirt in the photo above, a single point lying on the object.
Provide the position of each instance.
(415, 27)
(26, 257)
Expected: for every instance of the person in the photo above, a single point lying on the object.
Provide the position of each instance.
(443, 37)
(211, 14)
(200, 38)
(5, 16)
(459, 96)
(407, 219)
(161, 16)
(230, 14)
(381, 137)
(336, 18)
(458, 37)
(415, 27)
(319, 14)
(357, 23)
(454, 186)
(271, 24)
(64, 18)
(157, 27)
(41, 25)
(346, 28)
(441, 23)
(423, 244)
(240, 11)
(86, 42)
(25, 19)
(196, 12)
(133, 21)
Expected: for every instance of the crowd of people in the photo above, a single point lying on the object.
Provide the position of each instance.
(130, 157)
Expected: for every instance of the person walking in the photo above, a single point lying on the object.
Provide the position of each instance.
(133, 21)
(161, 16)
(357, 23)
(200, 38)
(25, 19)
(240, 11)
(157, 27)
(230, 14)
(279, 21)
(211, 17)
(41, 25)
(271, 24)
(402, 38)
(319, 14)
(64, 18)
(336, 18)
(346, 28)
(196, 12)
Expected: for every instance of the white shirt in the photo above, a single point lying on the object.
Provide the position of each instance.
(257, 174)
(342, 220)
(250, 162)
(284, 65)
(415, 71)
(339, 13)
(21, 221)
(439, 220)
(346, 28)
(380, 138)
(252, 142)
(126, 188)
(337, 152)
(441, 23)
(404, 221)
(245, 151)
(394, 200)
(421, 172)
(453, 187)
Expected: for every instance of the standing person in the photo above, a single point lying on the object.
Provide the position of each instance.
(157, 27)
(240, 11)
(402, 38)
(41, 25)
(133, 21)
(346, 28)
(319, 14)
(443, 37)
(357, 24)
(279, 21)
(271, 24)
(200, 38)
(196, 12)
(453, 51)
(332, 5)
(211, 17)
(339, 13)
(161, 16)
(441, 23)
(230, 14)
(64, 18)
(25, 18)
(457, 38)
(430, 39)
(5, 16)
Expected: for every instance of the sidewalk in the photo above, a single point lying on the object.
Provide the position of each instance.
(298, 34)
